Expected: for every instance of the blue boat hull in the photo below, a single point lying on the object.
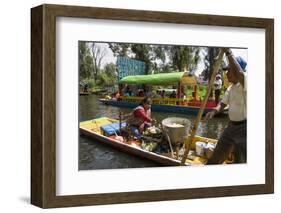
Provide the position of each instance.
(157, 107)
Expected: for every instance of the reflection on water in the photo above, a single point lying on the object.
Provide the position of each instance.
(93, 155)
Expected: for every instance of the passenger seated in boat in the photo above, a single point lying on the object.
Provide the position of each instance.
(194, 97)
(141, 93)
(183, 95)
(128, 91)
(150, 94)
(140, 118)
(184, 101)
(163, 94)
(158, 94)
(173, 94)
(116, 96)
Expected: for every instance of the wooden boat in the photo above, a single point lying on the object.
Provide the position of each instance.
(99, 91)
(187, 105)
(93, 129)
(84, 93)
(164, 105)
(94, 92)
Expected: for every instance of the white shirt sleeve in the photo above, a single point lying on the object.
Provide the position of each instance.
(245, 81)
(225, 99)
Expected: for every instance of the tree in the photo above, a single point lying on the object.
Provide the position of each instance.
(98, 53)
(108, 76)
(143, 52)
(110, 70)
(119, 49)
(184, 58)
(85, 61)
(210, 54)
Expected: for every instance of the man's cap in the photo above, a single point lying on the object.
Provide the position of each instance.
(240, 61)
(218, 76)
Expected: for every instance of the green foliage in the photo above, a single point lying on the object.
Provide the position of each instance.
(101, 79)
(209, 59)
(91, 83)
(90, 59)
(98, 53)
(184, 58)
(119, 49)
(107, 77)
(159, 53)
(87, 81)
(85, 61)
(110, 70)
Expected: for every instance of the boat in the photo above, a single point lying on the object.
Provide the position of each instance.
(185, 105)
(158, 105)
(99, 91)
(107, 131)
(94, 92)
(84, 93)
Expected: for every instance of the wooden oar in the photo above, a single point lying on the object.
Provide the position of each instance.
(202, 108)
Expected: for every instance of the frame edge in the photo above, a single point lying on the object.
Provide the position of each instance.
(37, 189)
(269, 58)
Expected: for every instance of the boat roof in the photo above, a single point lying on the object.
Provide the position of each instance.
(161, 79)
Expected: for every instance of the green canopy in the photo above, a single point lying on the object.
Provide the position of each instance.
(160, 79)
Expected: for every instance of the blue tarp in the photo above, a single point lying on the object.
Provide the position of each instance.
(110, 129)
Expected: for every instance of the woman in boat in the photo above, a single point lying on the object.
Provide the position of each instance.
(140, 118)
(115, 96)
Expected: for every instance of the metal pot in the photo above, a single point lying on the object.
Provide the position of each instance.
(176, 129)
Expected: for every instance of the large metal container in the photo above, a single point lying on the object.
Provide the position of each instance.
(176, 129)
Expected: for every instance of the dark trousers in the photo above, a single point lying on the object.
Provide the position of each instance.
(233, 139)
(217, 95)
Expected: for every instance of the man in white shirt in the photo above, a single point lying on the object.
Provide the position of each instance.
(234, 137)
(217, 87)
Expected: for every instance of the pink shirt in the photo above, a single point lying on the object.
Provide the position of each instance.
(141, 113)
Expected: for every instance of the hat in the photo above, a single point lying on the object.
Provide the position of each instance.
(240, 61)
(218, 76)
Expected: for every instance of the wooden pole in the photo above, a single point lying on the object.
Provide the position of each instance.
(202, 108)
